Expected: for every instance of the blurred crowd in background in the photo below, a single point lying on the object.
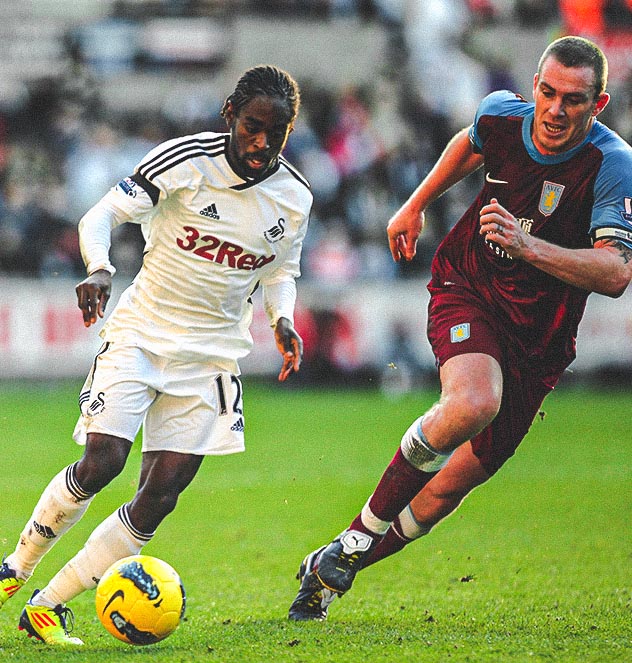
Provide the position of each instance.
(364, 145)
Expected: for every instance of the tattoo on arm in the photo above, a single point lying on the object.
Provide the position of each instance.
(624, 251)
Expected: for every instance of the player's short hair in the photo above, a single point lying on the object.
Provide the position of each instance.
(574, 51)
(269, 81)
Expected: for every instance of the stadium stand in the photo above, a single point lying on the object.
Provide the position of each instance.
(87, 87)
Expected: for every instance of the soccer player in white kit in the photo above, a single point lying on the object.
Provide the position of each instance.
(221, 215)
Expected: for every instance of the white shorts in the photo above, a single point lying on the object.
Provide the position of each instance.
(187, 407)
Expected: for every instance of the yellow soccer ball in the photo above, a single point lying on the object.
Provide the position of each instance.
(140, 600)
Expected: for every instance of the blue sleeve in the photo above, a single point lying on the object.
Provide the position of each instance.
(612, 209)
(501, 103)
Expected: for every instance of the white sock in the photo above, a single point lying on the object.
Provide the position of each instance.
(61, 505)
(409, 526)
(372, 522)
(112, 540)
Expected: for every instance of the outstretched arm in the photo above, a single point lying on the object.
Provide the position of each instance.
(605, 269)
(456, 162)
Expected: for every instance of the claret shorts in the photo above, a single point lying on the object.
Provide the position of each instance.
(456, 326)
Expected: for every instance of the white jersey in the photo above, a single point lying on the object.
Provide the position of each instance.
(211, 239)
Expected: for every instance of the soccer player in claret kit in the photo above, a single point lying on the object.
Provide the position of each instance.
(222, 213)
(509, 285)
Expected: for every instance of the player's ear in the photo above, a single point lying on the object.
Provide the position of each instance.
(602, 102)
(536, 78)
(229, 114)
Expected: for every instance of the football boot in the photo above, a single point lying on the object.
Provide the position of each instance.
(313, 599)
(50, 625)
(339, 562)
(9, 583)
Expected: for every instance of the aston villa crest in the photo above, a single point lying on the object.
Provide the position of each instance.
(550, 197)
(460, 333)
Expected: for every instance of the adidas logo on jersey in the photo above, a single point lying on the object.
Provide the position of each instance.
(238, 426)
(210, 211)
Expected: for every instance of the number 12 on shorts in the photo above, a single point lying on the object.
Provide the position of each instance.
(224, 385)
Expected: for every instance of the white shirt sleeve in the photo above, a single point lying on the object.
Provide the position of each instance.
(278, 300)
(95, 227)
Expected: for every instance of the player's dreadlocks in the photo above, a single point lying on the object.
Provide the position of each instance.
(265, 80)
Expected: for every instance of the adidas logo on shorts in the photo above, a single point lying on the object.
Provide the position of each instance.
(238, 426)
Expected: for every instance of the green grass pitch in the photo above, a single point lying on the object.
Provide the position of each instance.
(535, 566)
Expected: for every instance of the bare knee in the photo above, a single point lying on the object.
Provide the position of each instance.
(476, 408)
(471, 394)
(458, 417)
(102, 461)
(149, 508)
(164, 475)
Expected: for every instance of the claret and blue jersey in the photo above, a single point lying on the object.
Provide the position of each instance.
(569, 199)
(594, 174)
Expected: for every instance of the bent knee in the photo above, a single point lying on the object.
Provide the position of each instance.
(476, 409)
(103, 460)
(483, 408)
(148, 509)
